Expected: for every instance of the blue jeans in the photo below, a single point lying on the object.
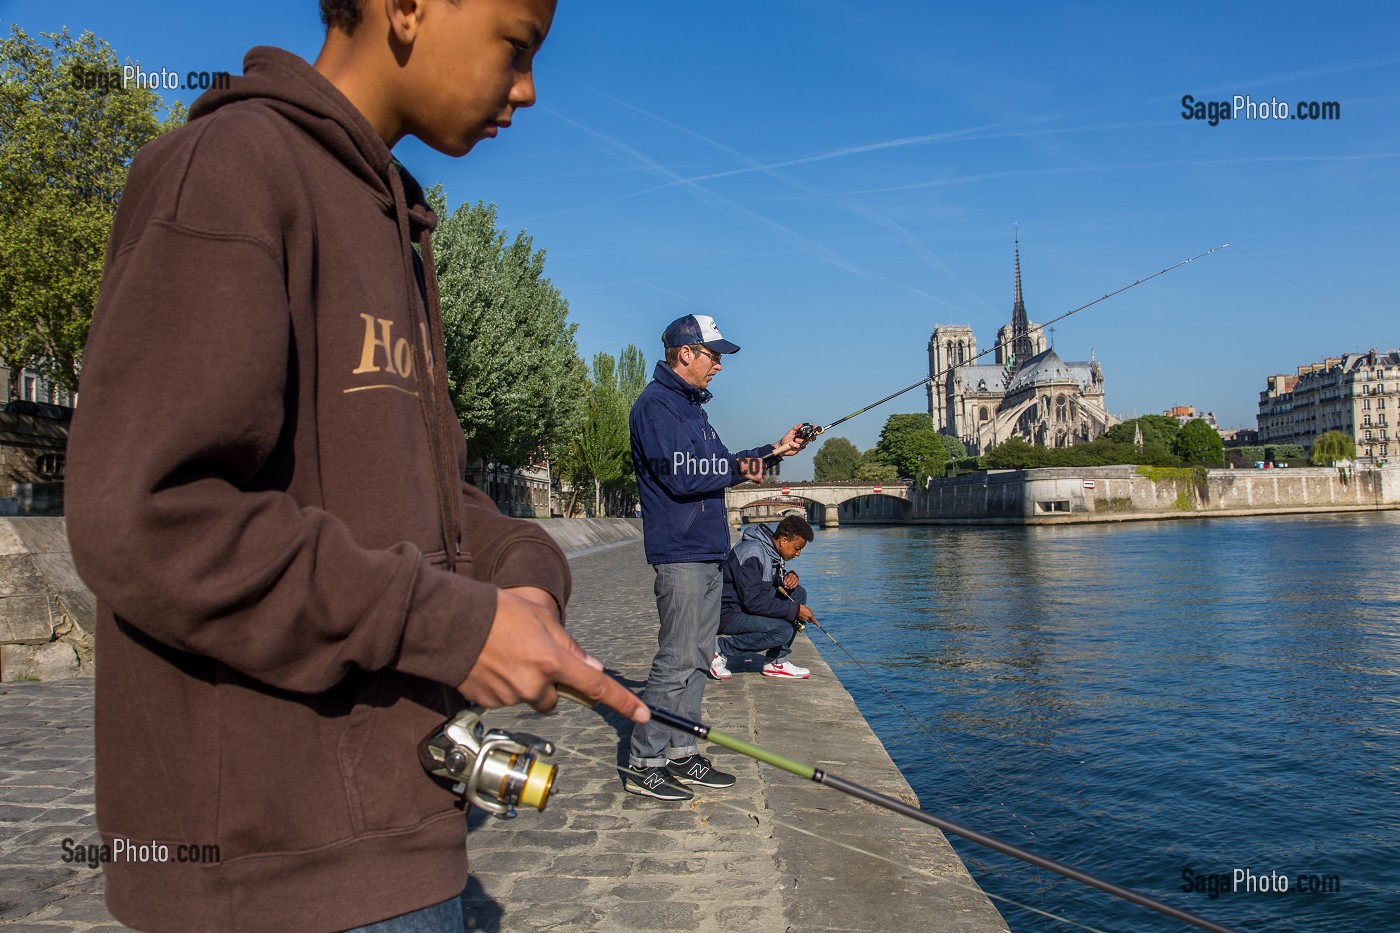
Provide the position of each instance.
(687, 600)
(760, 634)
(446, 917)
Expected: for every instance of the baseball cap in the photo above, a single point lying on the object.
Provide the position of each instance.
(697, 328)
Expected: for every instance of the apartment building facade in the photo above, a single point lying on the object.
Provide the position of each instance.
(1356, 393)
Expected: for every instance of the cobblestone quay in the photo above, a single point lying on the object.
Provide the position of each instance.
(773, 853)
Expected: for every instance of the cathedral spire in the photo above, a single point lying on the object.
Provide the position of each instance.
(1020, 324)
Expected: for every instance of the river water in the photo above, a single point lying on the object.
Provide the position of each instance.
(1141, 700)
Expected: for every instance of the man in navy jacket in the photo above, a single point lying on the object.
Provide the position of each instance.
(683, 469)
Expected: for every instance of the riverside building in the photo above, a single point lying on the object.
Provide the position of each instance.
(1355, 393)
(1028, 392)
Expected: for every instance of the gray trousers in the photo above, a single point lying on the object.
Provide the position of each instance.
(687, 600)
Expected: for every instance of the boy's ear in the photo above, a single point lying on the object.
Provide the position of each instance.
(405, 17)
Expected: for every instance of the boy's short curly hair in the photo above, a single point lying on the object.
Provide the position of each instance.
(794, 526)
(341, 14)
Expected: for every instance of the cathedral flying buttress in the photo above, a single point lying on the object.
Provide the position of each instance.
(1028, 392)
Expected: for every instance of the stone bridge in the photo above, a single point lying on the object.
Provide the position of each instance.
(829, 496)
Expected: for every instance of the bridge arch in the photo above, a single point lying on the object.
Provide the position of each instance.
(825, 497)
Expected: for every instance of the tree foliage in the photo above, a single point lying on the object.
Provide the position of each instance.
(1332, 446)
(512, 364)
(65, 146)
(909, 444)
(599, 456)
(873, 471)
(1158, 430)
(1198, 442)
(956, 449)
(1018, 454)
(835, 461)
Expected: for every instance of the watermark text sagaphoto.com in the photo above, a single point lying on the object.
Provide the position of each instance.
(95, 854)
(1245, 107)
(1248, 881)
(133, 76)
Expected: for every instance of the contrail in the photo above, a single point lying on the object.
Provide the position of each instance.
(810, 247)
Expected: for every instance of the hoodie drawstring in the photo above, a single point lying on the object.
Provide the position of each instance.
(432, 392)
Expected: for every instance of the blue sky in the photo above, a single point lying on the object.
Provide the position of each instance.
(831, 179)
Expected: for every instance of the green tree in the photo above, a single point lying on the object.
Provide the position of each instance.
(1017, 453)
(1284, 453)
(600, 453)
(873, 471)
(836, 460)
(512, 363)
(66, 141)
(1160, 430)
(603, 438)
(956, 449)
(1198, 442)
(1332, 446)
(909, 443)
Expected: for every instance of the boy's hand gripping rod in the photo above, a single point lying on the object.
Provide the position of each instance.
(704, 732)
(808, 431)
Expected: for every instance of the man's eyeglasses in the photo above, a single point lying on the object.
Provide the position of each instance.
(714, 357)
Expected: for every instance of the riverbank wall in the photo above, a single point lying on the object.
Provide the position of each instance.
(1066, 495)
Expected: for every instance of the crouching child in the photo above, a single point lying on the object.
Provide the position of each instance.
(762, 606)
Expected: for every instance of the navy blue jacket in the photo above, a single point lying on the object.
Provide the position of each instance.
(683, 469)
(751, 577)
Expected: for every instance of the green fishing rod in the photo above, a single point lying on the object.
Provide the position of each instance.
(808, 431)
(497, 769)
(860, 792)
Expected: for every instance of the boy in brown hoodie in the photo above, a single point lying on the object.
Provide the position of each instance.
(265, 493)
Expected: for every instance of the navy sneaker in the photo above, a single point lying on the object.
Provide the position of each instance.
(654, 782)
(697, 770)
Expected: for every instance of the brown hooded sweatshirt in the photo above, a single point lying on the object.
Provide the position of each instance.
(265, 493)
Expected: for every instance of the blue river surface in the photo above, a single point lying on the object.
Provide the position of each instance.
(1146, 701)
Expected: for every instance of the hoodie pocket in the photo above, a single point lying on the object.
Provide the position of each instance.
(385, 784)
(300, 772)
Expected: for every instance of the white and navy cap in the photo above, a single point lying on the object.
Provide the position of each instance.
(697, 329)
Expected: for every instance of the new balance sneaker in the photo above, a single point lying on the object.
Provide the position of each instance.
(655, 782)
(719, 667)
(785, 669)
(697, 770)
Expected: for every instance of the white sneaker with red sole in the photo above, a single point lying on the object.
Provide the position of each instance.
(785, 669)
(719, 668)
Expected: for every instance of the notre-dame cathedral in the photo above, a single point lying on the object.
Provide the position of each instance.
(1028, 392)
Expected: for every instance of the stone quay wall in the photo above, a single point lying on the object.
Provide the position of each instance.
(47, 614)
(1125, 493)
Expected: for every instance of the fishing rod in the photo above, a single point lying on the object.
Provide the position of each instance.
(808, 431)
(496, 769)
(860, 792)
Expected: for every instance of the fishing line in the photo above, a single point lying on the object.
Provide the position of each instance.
(1310, 294)
(914, 720)
(927, 876)
(918, 724)
(809, 431)
(704, 732)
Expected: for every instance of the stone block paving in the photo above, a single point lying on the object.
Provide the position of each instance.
(46, 797)
(773, 853)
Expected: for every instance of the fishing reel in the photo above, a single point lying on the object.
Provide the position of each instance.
(494, 768)
(808, 431)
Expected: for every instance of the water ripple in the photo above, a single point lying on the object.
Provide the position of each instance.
(1142, 699)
